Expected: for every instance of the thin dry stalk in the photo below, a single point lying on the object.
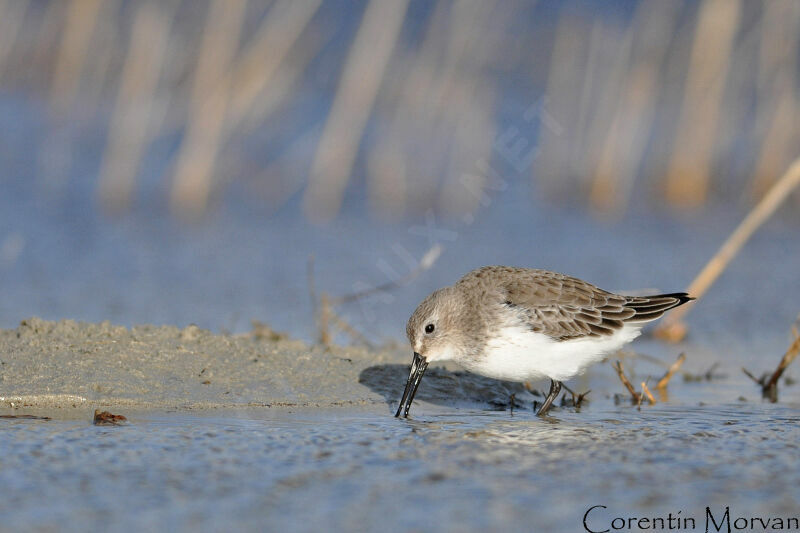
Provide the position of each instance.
(760, 381)
(312, 284)
(427, 261)
(673, 329)
(81, 18)
(662, 383)
(566, 81)
(582, 396)
(12, 15)
(775, 104)
(326, 316)
(391, 170)
(709, 375)
(769, 382)
(328, 319)
(779, 141)
(689, 173)
(635, 396)
(566, 388)
(625, 141)
(256, 69)
(131, 127)
(352, 106)
(786, 360)
(312, 295)
(48, 30)
(210, 94)
(280, 85)
(639, 402)
(325, 313)
(609, 56)
(646, 392)
(468, 110)
(577, 399)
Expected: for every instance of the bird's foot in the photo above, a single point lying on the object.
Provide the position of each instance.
(555, 388)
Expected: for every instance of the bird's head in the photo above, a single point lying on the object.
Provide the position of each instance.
(435, 333)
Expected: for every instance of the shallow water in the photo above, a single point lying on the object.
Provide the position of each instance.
(444, 469)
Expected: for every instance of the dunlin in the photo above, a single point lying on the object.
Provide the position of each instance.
(521, 324)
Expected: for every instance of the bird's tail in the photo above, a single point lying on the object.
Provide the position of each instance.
(647, 308)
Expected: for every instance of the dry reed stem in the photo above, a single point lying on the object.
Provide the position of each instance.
(48, 30)
(427, 261)
(193, 179)
(467, 116)
(324, 320)
(646, 392)
(635, 396)
(567, 66)
(259, 62)
(769, 383)
(282, 178)
(775, 105)
(387, 168)
(759, 381)
(312, 290)
(689, 172)
(102, 66)
(280, 86)
(81, 18)
(779, 141)
(12, 15)
(392, 172)
(609, 56)
(131, 127)
(672, 328)
(577, 399)
(662, 383)
(355, 96)
(327, 315)
(626, 139)
(786, 360)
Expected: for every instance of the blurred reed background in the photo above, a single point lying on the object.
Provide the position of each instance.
(390, 103)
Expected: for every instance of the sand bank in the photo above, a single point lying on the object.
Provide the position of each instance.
(73, 364)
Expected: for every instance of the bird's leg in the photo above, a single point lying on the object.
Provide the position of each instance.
(512, 398)
(555, 388)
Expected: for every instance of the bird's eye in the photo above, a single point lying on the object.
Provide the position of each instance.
(429, 328)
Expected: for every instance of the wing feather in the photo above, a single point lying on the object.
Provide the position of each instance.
(564, 307)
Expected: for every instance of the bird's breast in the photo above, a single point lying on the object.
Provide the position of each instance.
(516, 353)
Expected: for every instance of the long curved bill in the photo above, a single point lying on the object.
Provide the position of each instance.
(418, 367)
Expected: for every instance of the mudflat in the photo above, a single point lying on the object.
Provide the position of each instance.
(45, 364)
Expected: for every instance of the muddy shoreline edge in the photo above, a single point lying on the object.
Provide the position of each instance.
(69, 364)
(75, 364)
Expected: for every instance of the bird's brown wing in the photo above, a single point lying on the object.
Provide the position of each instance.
(566, 308)
(563, 307)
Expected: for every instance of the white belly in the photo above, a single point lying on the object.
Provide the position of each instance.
(519, 354)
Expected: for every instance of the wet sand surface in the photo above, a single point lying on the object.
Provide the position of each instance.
(292, 437)
(68, 364)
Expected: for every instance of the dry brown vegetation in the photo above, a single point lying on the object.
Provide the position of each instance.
(769, 381)
(681, 96)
